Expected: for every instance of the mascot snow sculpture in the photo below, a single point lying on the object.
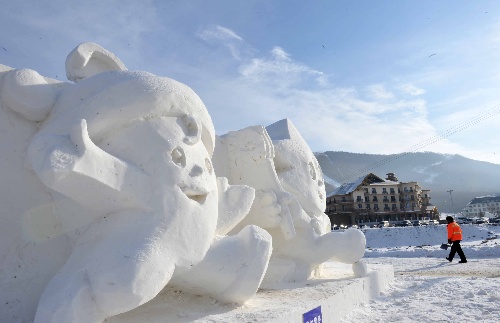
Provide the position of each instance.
(290, 199)
(130, 154)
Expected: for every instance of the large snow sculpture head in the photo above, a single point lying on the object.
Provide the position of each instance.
(111, 103)
(297, 167)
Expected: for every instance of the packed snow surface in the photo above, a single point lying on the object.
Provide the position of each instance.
(427, 288)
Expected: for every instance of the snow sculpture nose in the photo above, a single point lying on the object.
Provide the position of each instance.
(197, 170)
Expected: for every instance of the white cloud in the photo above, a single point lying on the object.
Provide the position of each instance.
(411, 89)
(375, 120)
(218, 35)
(281, 71)
(379, 92)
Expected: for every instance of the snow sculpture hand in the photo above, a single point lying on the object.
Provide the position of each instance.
(234, 204)
(267, 208)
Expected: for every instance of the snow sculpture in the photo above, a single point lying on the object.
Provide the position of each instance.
(289, 190)
(124, 158)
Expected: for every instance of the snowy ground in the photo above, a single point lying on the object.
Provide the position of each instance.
(427, 288)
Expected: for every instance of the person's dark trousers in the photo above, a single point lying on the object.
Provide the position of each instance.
(456, 248)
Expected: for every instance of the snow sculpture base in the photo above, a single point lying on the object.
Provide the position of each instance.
(337, 292)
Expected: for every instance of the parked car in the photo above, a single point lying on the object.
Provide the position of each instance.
(495, 221)
(417, 223)
(382, 224)
(433, 222)
(462, 220)
(481, 221)
(406, 223)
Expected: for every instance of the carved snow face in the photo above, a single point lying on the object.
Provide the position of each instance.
(300, 175)
(183, 182)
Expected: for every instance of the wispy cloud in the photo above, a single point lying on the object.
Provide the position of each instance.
(379, 92)
(410, 89)
(279, 70)
(379, 118)
(218, 35)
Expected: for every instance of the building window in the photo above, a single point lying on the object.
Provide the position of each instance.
(392, 191)
(374, 190)
(394, 207)
(360, 206)
(375, 199)
(367, 206)
(375, 207)
(358, 198)
(384, 190)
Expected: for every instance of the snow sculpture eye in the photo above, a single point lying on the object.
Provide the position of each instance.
(178, 157)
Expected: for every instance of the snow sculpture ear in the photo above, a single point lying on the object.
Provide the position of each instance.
(192, 128)
(89, 59)
(28, 93)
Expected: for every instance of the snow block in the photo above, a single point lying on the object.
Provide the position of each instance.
(337, 292)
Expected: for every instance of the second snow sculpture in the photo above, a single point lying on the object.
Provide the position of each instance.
(289, 189)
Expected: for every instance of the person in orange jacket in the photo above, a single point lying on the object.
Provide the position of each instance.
(454, 238)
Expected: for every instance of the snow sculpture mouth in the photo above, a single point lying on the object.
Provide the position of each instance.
(196, 194)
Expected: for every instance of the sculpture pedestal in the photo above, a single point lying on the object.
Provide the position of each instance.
(337, 292)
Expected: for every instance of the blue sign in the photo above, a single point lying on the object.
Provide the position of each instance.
(313, 316)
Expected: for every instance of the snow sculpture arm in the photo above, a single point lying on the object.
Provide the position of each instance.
(234, 266)
(66, 163)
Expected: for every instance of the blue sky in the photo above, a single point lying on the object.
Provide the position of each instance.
(359, 76)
